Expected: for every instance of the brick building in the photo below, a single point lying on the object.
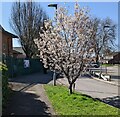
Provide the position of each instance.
(6, 37)
(116, 59)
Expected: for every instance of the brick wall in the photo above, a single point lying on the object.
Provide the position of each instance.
(7, 44)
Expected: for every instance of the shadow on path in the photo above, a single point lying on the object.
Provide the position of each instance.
(33, 78)
(96, 91)
(113, 101)
(28, 96)
(115, 77)
(26, 104)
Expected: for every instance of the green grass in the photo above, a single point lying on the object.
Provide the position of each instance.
(76, 104)
(108, 65)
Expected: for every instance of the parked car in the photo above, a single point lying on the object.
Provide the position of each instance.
(93, 64)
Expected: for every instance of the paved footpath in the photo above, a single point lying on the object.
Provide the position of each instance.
(29, 97)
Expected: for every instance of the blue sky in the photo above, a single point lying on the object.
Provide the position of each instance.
(97, 9)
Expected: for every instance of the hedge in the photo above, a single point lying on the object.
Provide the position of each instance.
(5, 89)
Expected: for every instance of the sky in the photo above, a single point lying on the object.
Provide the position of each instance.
(101, 10)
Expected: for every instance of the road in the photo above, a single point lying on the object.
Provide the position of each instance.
(94, 88)
(114, 72)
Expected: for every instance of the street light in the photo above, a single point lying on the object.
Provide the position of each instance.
(54, 74)
(106, 26)
(102, 51)
(53, 5)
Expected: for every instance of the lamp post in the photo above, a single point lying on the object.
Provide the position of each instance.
(53, 5)
(106, 26)
(54, 74)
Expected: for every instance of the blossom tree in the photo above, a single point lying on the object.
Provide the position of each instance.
(66, 45)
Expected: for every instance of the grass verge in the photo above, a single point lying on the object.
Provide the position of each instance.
(76, 104)
(108, 65)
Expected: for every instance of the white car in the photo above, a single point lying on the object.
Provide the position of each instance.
(93, 64)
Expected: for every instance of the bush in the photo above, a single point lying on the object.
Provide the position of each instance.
(5, 89)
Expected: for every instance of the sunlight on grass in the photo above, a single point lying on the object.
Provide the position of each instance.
(76, 104)
(108, 65)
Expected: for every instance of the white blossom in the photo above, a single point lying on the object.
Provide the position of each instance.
(66, 45)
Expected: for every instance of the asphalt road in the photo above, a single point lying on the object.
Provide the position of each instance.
(114, 72)
(94, 88)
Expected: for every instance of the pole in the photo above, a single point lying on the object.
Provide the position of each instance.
(54, 78)
(100, 68)
(54, 72)
(105, 64)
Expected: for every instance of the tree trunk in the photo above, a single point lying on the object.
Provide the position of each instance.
(97, 58)
(73, 87)
(70, 88)
(27, 55)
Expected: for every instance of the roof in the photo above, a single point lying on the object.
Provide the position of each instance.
(117, 54)
(16, 52)
(19, 49)
(7, 33)
(1, 28)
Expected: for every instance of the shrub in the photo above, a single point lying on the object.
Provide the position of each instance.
(5, 89)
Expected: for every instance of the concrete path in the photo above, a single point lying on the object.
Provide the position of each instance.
(29, 97)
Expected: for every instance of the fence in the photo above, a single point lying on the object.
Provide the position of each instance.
(19, 66)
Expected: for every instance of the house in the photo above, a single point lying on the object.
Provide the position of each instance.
(116, 59)
(107, 58)
(18, 52)
(6, 42)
